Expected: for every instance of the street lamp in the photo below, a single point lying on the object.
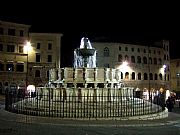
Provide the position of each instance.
(27, 48)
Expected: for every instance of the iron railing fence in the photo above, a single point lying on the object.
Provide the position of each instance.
(81, 106)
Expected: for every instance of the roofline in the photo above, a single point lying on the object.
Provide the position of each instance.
(12, 23)
(44, 34)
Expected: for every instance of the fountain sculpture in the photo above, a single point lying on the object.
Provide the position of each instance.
(87, 91)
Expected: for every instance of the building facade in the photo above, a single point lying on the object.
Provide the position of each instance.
(175, 75)
(44, 55)
(13, 37)
(22, 65)
(146, 68)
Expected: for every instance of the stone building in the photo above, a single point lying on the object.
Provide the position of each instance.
(22, 65)
(175, 75)
(13, 37)
(146, 68)
(45, 55)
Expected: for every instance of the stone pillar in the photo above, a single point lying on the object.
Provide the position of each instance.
(95, 74)
(85, 85)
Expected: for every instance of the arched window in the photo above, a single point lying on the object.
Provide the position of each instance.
(155, 61)
(160, 76)
(37, 73)
(155, 76)
(150, 60)
(144, 60)
(106, 52)
(132, 59)
(138, 50)
(145, 76)
(164, 57)
(138, 59)
(126, 75)
(126, 58)
(139, 76)
(144, 50)
(133, 75)
(126, 48)
(121, 75)
(119, 58)
(160, 61)
(151, 76)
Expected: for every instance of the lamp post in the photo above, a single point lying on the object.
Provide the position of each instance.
(27, 49)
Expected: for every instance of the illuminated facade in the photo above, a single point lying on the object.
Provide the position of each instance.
(21, 66)
(13, 63)
(147, 67)
(45, 54)
(175, 74)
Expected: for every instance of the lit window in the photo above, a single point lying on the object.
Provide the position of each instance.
(10, 67)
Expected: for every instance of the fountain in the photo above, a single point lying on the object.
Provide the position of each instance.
(85, 56)
(87, 91)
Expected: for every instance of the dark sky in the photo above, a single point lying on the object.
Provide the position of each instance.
(134, 24)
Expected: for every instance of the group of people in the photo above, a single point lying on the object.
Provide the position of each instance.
(170, 103)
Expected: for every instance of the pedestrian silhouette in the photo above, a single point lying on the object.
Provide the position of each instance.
(169, 104)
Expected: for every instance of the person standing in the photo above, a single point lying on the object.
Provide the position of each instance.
(169, 104)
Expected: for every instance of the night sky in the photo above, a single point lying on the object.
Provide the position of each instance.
(128, 24)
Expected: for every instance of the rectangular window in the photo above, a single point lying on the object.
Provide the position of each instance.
(38, 46)
(20, 67)
(49, 58)
(47, 74)
(10, 48)
(1, 31)
(38, 58)
(11, 32)
(126, 49)
(154, 51)
(1, 67)
(21, 33)
(132, 49)
(1, 47)
(20, 49)
(10, 67)
(49, 46)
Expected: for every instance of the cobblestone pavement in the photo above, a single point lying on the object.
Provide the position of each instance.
(18, 124)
